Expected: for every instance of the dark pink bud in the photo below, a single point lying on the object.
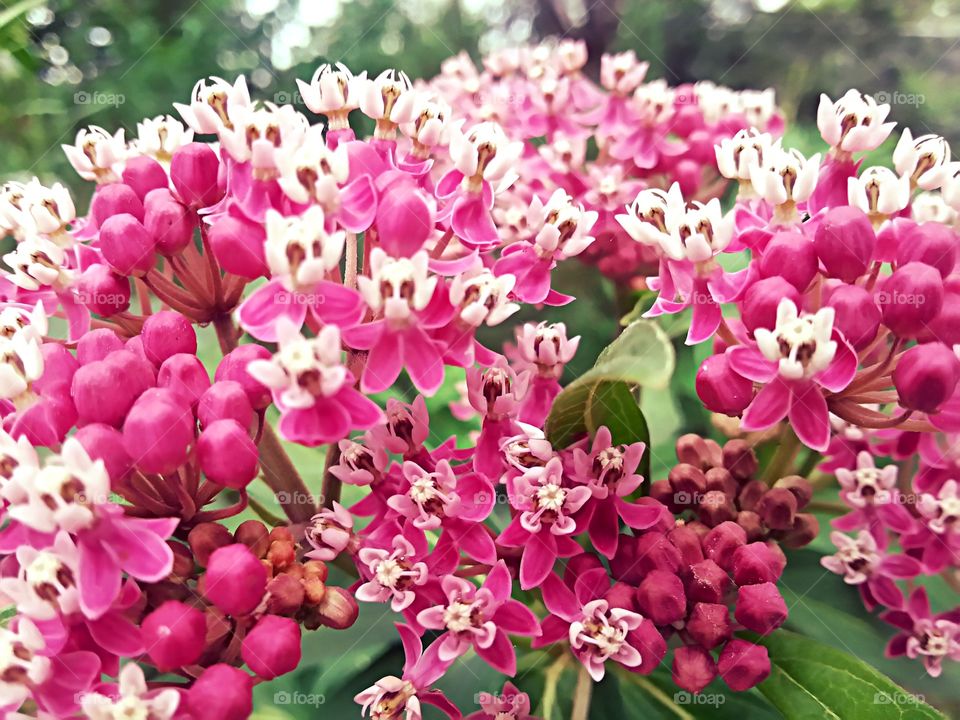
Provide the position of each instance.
(127, 245)
(167, 333)
(791, 256)
(272, 648)
(750, 494)
(701, 147)
(910, 299)
(234, 367)
(207, 537)
(716, 507)
(103, 442)
(227, 455)
(621, 595)
(235, 580)
(721, 389)
(845, 242)
(751, 524)
(946, 325)
(720, 480)
(856, 314)
(225, 400)
(805, 529)
(636, 556)
(97, 344)
(777, 508)
(97, 395)
(171, 225)
(687, 542)
(158, 432)
(756, 563)
(799, 486)
(660, 597)
(194, 171)
(174, 635)
(59, 365)
(284, 595)
(693, 668)
(222, 692)
(103, 291)
(134, 370)
(688, 173)
(721, 542)
(184, 375)
(115, 199)
(143, 174)
(926, 377)
(700, 452)
(931, 243)
(739, 459)
(688, 482)
(743, 664)
(653, 648)
(238, 246)
(338, 609)
(760, 608)
(709, 624)
(759, 307)
(707, 582)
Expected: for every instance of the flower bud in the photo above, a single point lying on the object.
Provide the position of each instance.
(103, 291)
(174, 635)
(227, 455)
(194, 171)
(636, 556)
(103, 442)
(127, 245)
(693, 668)
(910, 299)
(272, 648)
(698, 451)
(284, 595)
(856, 314)
(185, 376)
(688, 483)
(171, 225)
(720, 388)
(158, 431)
(133, 369)
(235, 580)
(225, 400)
(115, 199)
(777, 508)
(926, 377)
(933, 244)
(234, 367)
(791, 256)
(660, 597)
(222, 692)
(688, 173)
(743, 664)
(239, 246)
(721, 542)
(97, 395)
(662, 492)
(59, 366)
(707, 582)
(720, 479)
(799, 486)
(338, 609)
(142, 174)
(687, 541)
(716, 507)
(760, 608)
(709, 624)
(752, 525)
(207, 537)
(945, 327)
(759, 306)
(167, 333)
(97, 344)
(750, 494)
(739, 459)
(653, 648)
(845, 242)
(254, 535)
(756, 563)
(804, 531)
(621, 595)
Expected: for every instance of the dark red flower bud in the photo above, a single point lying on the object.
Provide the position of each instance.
(791, 256)
(636, 556)
(760, 608)
(752, 525)
(720, 388)
(804, 531)
(739, 459)
(688, 483)
(284, 595)
(926, 377)
(707, 582)
(254, 535)
(222, 692)
(756, 563)
(653, 648)
(719, 479)
(662, 491)
(272, 648)
(693, 668)
(687, 541)
(743, 664)
(750, 494)
(845, 242)
(174, 635)
(910, 299)
(697, 451)
(338, 609)
(777, 508)
(716, 507)
(207, 537)
(799, 486)
(709, 624)
(621, 595)
(660, 597)
(721, 542)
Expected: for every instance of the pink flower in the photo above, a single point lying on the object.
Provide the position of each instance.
(330, 532)
(509, 704)
(542, 351)
(395, 574)
(864, 563)
(874, 497)
(132, 696)
(933, 638)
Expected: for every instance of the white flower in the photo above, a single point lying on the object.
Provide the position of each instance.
(622, 73)
(716, 101)
(37, 262)
(388, 97)
(854, 123)
(758, 106)
(97, 155)
(483, 297)
(800, 344)
(949, 190)
(333, 91)
(647, 219)
(430, 123)
(22, 666)
(653, 101)
(50, 209)
(298, 248)
(563, 226)
(259, 132)
(785, 176)
(486, 152)
(160, 137)
(397, 286)
(312, 171)
(738, 155)
(879, 191)
(212, 104)
(925, 160)
(698, 233)
(136, 701)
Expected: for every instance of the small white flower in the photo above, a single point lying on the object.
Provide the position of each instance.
(738, 155)
(97, 155)
(699, 232)
(785, 176)
(925, 160)
(212, 104)
(879, 191)
(800, 344)
(160, 137)
(649, 217)
(397, 286)
(854, 123)
(333, 91)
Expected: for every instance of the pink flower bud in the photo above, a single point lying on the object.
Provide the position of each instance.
(235, 580)
(933, 244)
(103, 291)
(759, 307)
(750, 494)
(227, 455)
(134, 370)
(707, 582)
(660, 597)
(239, 246)
(284, 595)
(709, 624)
(720, 389)
(115, 199)
(171, 225)
(272, 648)
(143, 174)
(756, 563)
(693, 668)
(103, 442)
(222, 692)
(127, 245)
(687, 542)
(760, 608)
(946, 325)
(234, 367)
(97, 344)
(636, 556)
(184, 375)
(791, 256)
(338, 609)
(688, 173)
(621, 595)
(845, 242)
(743, 664)
(856, 314)
(926, 376)
(653, 648)
(799, 486)
(739, 459)
(59, 365)
(207, 537)
(97, 395)
(194, 171)
(777, 508)
(225, 400)
(174, 635)
(158, 432)
(167, 333)
(910, 299)
(721, 542)
(716, 507)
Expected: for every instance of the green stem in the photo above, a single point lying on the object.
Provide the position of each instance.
(581, 695)
(783, 459)
(551, 678)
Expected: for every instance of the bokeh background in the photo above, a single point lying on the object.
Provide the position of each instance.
(65, 65)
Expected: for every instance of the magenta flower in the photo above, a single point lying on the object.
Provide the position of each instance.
(495, 393)
(394, 574)
(872, 493)
(542, 351)
(481, 618)
(509, 704)
(864, 563)
(938, 536)
(330, 533)
(932, 638)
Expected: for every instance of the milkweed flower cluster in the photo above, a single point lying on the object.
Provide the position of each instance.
(328, 265)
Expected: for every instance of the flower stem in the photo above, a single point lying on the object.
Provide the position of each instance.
(551, 678)
(581, 695)
(783, 459)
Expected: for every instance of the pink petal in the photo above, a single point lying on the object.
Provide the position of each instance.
(559, 599)
(500, 655)
(325, 422)
(705, 319)
(99, 578)
(336, 304)
(471, 221)
(358, 204)
(423, 361)
(116, 634)
(258, 314)
(840, 372)
(516, 618)
(538, 559)
(750, 363)
(637, 516)
(605, 527)
(809, 416)
(768, 408)
(383, 363)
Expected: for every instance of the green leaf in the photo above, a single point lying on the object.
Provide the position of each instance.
(811, 680)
